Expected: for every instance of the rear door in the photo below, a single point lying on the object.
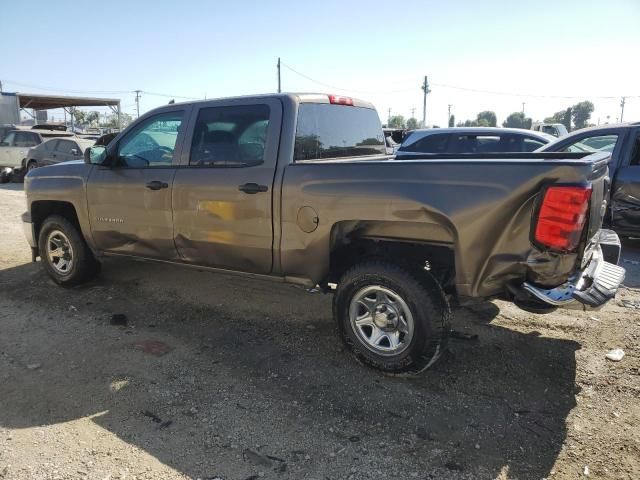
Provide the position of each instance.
(222, 204)
(48, 152)
(130, 200)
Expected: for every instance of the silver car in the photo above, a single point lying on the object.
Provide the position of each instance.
(56, 150)
(473, 140)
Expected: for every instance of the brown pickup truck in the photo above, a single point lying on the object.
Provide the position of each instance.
(301, 188)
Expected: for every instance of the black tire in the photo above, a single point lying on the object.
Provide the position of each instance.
(31, 165)
(83, 266)
(425, 300)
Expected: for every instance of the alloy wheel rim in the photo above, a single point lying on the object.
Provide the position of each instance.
(60, 252)
(381, 320)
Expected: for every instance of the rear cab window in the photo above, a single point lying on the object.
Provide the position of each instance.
(327, 131)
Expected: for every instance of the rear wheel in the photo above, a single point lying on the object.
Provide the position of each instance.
(391, 319)
(65, 255)
(32, 165)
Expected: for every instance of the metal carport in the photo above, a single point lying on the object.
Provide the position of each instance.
(46, 102)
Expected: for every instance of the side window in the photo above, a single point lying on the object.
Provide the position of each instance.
(26, 139)
(493, 144)
(429, 144)
(152, 143)
(233, 136)
(8, 140)
(635, 154)
(50, 146)
(530, 144)
(605, 143)
(65, 147)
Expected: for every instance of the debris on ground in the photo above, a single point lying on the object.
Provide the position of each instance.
(586, 471)
(255, 458)
(119, 319)
(635, 304)
(153, 347)
(458, 335)
(34, 366)
(615, 355)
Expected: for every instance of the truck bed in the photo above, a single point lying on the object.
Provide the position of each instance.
(479, 206)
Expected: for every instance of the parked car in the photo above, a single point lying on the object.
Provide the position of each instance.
(55, 150)
(16, 143)
(299, 189)
(623, 142)
(472, 140)
(555, 129)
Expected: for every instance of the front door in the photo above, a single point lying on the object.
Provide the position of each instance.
(222, 191)
(625, 194)
(130, 200)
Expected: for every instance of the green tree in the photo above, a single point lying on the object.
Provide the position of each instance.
(92, 117)
(412, 123)
(582, 113)
(487, 119)
(452, 120)
(397, 121)
(517, 120)
(112, 120)
(79, 116)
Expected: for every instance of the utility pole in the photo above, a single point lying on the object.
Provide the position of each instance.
(413, 113)
(449, 114)
(389, 118)
(425, 89)
(279, 89)
(622, 102)
(138, 102)
(523, 104)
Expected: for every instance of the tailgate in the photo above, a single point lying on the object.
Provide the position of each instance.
(600, 184)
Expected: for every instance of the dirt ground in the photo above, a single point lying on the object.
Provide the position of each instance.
(220, 377)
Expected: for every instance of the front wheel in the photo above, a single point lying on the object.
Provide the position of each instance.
(392, 319)
(65, 255)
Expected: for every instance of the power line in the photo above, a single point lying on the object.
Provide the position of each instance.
(64, 90)
(333, 87)
(454, 87)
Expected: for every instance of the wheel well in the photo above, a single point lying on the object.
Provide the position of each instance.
(42, 209)
(415, 256)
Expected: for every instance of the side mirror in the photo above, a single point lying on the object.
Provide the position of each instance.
(95, 155)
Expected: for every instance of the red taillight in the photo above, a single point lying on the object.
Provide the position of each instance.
(338, 100)
(562, 216)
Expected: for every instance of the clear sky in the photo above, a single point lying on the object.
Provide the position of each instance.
(376, 50)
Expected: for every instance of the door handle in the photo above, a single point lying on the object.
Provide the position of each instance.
(252, 188)
(156, 185)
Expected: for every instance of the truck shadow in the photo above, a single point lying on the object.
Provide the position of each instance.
(243, 364)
